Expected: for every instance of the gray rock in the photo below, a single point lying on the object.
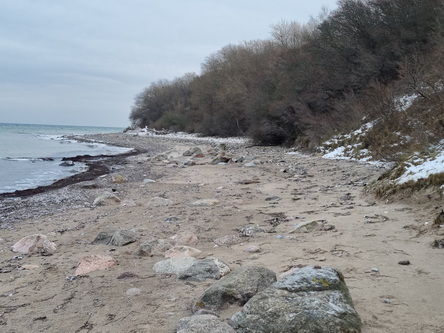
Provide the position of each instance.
(309, 300)
(205, 323)
(144, 250)
(237, 287)
(250, 230)
(175, 266)
(152, 247)
(115, 238)
(228, 240)
(204, 269)
(305, 227)
(192, 151)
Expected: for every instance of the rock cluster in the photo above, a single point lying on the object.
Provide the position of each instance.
(311, 299)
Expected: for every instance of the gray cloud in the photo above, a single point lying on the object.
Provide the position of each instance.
(82, 62)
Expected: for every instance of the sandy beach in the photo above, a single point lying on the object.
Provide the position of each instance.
(270, 190)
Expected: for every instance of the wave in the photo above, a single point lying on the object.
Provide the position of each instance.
(30, 159)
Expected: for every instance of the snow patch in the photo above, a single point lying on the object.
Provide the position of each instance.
(422, 168)
(188, 136)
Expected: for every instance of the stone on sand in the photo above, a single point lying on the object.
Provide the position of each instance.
(118, 179)
(209, 268)
(152, 247)
(37, 243)
(228, 240)
(237, 287)
(175, 266)
(94, 262)
(159, 202)
(115, 238)
(106, 198)
(312, 299)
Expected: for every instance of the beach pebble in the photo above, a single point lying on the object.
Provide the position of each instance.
(253, 249)
(118, 179)
(206, 202)
(228, 240)
(133, 292)
(404, 262)
(159, 202)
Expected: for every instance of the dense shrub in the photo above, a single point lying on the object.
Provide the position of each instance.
(310, 81)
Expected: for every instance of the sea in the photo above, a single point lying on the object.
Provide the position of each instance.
(30, 155)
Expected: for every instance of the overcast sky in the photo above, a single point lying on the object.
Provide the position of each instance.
(81, 62)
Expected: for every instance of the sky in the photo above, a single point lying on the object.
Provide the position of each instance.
(82, 62)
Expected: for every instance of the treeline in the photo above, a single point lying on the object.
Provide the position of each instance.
(307, 81)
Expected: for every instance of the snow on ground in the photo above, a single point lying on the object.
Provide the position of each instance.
(339, 147)
(416, 168)
(406, 101)
(419, 168)
(188, 136)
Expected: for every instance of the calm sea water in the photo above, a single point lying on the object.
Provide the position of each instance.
(30, 155)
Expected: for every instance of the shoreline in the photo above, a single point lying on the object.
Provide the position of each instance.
(98, 165)
(266, 189)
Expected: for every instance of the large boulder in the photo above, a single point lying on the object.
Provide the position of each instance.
(115, 238)
(312, 299)
(205, 323)
(237, 287)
